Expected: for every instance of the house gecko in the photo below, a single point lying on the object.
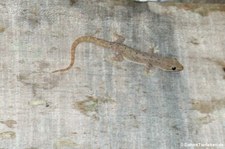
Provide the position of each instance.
(149, 59)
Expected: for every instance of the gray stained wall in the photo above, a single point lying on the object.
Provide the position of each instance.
(104, 104)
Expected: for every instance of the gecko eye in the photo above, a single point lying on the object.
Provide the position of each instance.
(174, 68)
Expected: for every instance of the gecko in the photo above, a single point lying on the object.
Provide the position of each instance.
(124, 52)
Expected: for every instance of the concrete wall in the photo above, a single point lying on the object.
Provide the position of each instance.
(104, 104)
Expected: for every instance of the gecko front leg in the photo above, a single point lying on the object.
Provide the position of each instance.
(148, 68)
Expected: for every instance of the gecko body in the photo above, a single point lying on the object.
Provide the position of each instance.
(124, 52)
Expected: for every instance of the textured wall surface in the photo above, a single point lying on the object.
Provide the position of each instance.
(102, 104)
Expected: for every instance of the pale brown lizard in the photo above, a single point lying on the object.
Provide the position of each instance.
(124, 52)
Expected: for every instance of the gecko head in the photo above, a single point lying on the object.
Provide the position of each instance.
(171, 64)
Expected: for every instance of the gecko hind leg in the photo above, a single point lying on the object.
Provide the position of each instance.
(118, 58)
(119, 38)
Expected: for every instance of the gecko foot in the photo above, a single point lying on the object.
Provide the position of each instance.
(153, 49)
(149, 72)
(119, 38)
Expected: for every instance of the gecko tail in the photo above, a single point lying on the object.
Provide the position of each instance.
(64, 69)
(81, 39)
(72, 59)
(60, 70)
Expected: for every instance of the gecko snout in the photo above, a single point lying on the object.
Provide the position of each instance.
(175, 65)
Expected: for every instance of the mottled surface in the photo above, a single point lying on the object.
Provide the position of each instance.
(99, 103)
